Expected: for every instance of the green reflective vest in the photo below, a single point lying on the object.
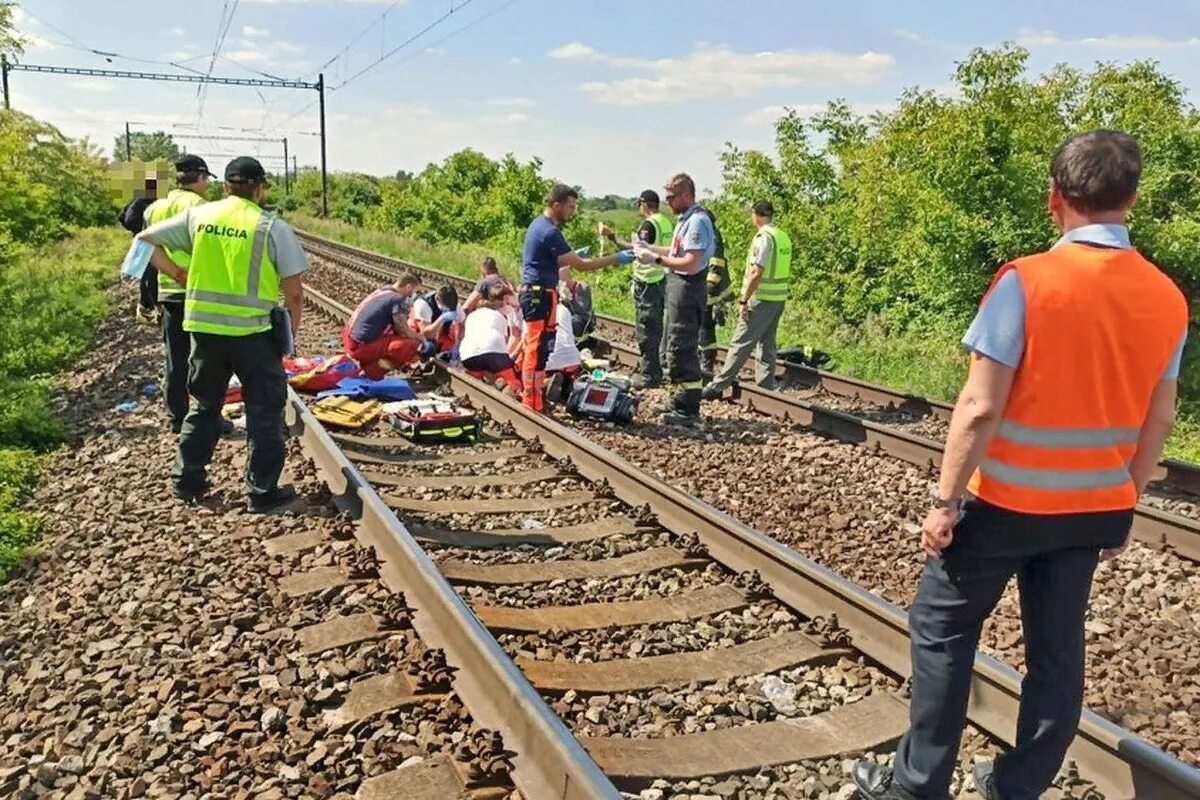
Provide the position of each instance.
(176, 202)
(653, 273)
(774, 283)
(232, 284)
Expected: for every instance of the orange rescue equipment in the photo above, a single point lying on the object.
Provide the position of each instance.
(1101, 326)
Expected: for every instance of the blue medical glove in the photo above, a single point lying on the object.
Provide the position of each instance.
(625, 257)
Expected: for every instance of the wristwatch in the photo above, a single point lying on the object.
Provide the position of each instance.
(742, 302)
(658, 259)
(953, 503)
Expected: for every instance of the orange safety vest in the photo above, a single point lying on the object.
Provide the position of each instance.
(1101, 326)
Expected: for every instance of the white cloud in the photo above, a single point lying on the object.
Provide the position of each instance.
(717, 71)
(251, 32)
(515, 60)
(911, 36)
(177, 31)
(1030, 37)
(22, 22)
(512, 102)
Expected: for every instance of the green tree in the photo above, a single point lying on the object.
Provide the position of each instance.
(11, 43)
(146, 146)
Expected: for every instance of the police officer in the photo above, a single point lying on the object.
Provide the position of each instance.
(1075, 357)
(760, 307)
(720, 290)
(191, 175)
(648, 289)
(242, 258)
(686, 262)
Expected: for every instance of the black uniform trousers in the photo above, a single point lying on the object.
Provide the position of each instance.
(148, 289)
(178, 346)
(1053, 558)
(648, 301)
(685, 314)
(255, 359)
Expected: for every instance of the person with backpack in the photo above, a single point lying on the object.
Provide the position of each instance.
(132, 218)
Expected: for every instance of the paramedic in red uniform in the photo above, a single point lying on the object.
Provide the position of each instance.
(437, 318)
(378, 336)
(1074, 362)
(546, 250)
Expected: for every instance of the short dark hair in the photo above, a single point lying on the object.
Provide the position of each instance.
(1097, 170)
(409, 279)
(489, 265)
(559, 194)
(447, 298)
(498, 291)
(187, 178)
(763, 208)
(681, 180)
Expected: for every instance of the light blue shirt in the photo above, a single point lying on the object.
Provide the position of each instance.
(998, 330)
(694, 231)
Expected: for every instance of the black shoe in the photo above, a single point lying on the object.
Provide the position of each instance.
(554, 387)
(273, 500)
(985, 780)
(642, 382)
(189, 493)
(710, 392)
(681, 419)
(874, 782)
(227, 428)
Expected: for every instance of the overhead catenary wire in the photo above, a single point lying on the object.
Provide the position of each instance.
(222, 31)
(452, 10)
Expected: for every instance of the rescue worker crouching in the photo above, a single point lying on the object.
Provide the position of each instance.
(686, 262)
(577, 297)
(485, 341)
(760, 307)
(544, 253)
(649, 290)
(242, 258)
(192, 177)
(436, 317)
(378, 336)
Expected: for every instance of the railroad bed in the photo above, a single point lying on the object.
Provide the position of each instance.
(635, 611)
(855, 512)
(157, 650)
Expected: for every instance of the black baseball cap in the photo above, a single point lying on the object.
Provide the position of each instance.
(193, 164)
(649, 196)
(764, 208)
(245, 169)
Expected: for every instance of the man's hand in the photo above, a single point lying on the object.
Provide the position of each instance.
(448, 316)
(606, 232)
(937, 532)
(644, 254)
(625, 257)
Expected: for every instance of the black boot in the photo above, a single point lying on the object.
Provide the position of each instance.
(875, 782)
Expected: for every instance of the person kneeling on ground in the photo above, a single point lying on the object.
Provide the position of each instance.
(436, 317)
(485, 340)
(564, 361)
(378, 336)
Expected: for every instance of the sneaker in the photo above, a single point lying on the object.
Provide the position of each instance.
(274, 500)
(642, 382)
(144, 316)
(190, 493)
(711, 392)
(985, 781)
(554, 387)
(681, 419)
(874, 782)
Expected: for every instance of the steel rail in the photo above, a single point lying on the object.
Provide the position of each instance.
(1153, 527)
(1119, 763)
(550, 762)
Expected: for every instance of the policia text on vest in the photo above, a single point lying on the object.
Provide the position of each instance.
(764, 293)
(242, 257)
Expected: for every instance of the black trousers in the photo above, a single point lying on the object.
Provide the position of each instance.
(148, 289)
(1053, 558)
(714, 315)
(255, 359)
(685, 314)
(177, 344)
(648, 299)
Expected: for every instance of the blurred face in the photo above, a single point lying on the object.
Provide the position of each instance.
(564, 211)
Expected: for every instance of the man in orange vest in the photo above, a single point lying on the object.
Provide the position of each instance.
(1075, 357)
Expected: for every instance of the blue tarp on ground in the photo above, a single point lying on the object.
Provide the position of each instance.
(363, 388)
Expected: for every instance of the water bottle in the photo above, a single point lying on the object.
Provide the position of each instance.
(136, 259)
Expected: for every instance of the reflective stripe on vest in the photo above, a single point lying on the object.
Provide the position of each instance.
(176, 202)
(653, 273)
(232, 284)
(1101, 325)
(774, 283)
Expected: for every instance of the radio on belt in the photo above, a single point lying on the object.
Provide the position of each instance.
(600, 396)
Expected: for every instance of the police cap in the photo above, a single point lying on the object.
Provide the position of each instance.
(193, 164)
(245, 169)
(649, 196)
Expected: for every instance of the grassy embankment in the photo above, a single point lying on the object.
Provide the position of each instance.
(50, 302)
(926, 363)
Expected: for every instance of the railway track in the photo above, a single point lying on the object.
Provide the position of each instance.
(601, 543)
(1156, 524)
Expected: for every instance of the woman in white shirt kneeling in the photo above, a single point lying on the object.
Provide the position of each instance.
(484, 347)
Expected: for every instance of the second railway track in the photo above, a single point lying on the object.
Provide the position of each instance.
(602, 557)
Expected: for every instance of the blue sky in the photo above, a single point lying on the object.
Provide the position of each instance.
(613, 95)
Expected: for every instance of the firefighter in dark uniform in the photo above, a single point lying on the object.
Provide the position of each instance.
(720, 291)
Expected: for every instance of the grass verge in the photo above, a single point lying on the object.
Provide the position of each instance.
(927, 363)
(50, 302)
